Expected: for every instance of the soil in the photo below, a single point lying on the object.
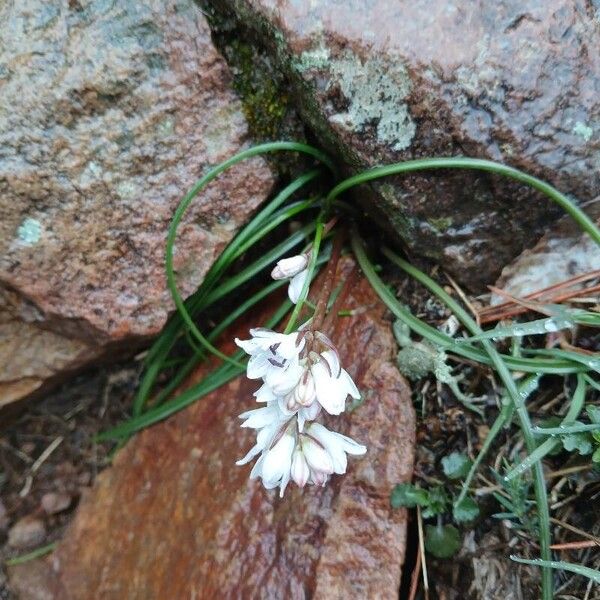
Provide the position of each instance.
(48, 454)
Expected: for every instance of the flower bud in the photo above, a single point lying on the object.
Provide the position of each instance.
(300, 471)
(288, 267)
(305, 392)
(316, 456)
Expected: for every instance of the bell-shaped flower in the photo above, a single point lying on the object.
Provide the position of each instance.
(288, 406)
(319, 453)
(283, 378)
(296, 285)
(332, 383)
(335, 445)
(270, 351)
(275, 463)
(300, 471)
(269, 421)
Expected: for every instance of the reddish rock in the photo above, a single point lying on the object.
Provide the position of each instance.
(108, 114)
(175, 518)
(383, 81)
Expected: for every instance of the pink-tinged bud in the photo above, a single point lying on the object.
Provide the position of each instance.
(319, 478)
(305, 392)
(316, 456)
(288, 267)
(300, 471)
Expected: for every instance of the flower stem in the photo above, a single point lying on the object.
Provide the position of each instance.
(328, 280)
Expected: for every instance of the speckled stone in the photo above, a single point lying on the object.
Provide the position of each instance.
(175, 518)
(515, 81)
(564, 252)
(109, 112)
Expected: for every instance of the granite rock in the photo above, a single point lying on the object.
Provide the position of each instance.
(384, 81)
(108, 114)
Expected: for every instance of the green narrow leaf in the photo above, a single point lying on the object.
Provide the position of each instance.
(567, 429)
(540, 326)
(37, 553)
(592, 574)
(550, 444)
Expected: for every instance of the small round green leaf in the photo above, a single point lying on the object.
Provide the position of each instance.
(456, 465)
(443, 541)
(408, 495)
(466, 510)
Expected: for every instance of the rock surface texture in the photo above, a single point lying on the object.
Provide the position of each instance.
(564, 252)
(108, 114)
(515, 81)
(175, 518)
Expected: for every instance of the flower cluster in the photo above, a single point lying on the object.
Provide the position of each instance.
(301, 376)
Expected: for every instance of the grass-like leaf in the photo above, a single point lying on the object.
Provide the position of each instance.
(592, 574)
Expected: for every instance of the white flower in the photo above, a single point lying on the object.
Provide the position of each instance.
(320, 453)
(288, 267)
(276, 463)
(288, 406)
(336, 445)
(300, 471)
(270, 351)
(301, 375)
(296, 285)
(269, 421)
(295, 269)
(283, 378)
(332, 383)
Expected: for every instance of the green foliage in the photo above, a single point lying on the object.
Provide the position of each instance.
(440, 540)
(437, 503)
(465, 510)
(516, 500)
(443, 541)
(456, 465)
(409, 496)
(592, 574)
(577, 442)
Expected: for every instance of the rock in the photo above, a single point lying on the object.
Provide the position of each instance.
(108, 114)
(31, 356)
(512, 81)
(563, 253)
(54, 502)
(27, 532)
(174, 517)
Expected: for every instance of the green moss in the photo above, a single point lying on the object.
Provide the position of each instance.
(265, 105)
(259, 85)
